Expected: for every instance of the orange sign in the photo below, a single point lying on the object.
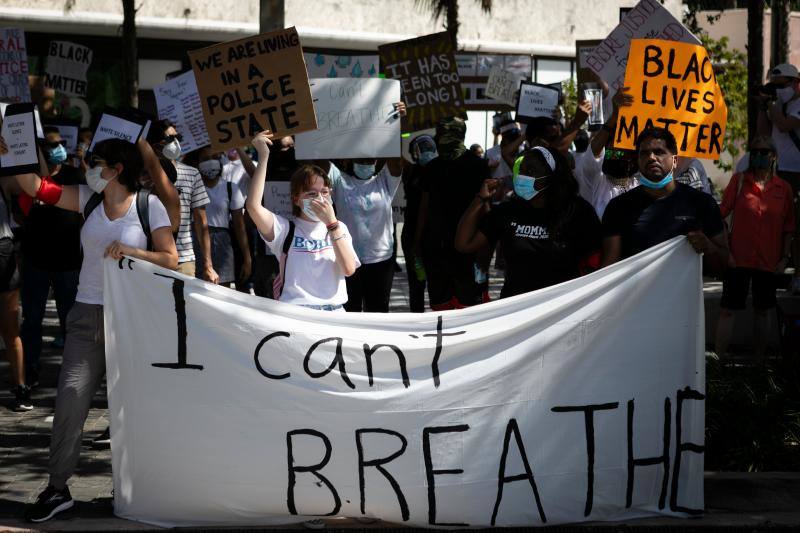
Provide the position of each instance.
(674, 87)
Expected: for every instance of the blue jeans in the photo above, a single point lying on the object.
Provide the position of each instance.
(34, 291)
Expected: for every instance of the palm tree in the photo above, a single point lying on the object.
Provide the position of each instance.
(449, 8)
(130, 59)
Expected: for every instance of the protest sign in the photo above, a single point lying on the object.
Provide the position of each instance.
(253, 84)
(536, 100)
(67, 64)
(278, 198)
(582, 50)
(546, 408)
(120, 124)
(13, 66)
(426, 68)
(674, 87)
(68, 130)
(647, 20)
(19, 131)
(503, 85)
(355, 119)
(178, 101)
(337, 65)
(39, 129)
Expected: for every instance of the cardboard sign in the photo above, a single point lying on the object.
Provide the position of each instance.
(536, 100)
(13, 66)
(647, 20)
(355, 119)
(251, 85)
(120, 124)
(67, 64)
(674, 87)
(68, 131)
(179, 102)
(503, 86)
(426, 68)
(556, 406)
(19, 131)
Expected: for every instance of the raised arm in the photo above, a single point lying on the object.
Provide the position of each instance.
(622, 98)
(165, 190)
(582, 111)
(468, 238)
(261, 216)
(247, 163)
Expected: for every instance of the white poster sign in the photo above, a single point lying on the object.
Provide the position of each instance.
(542, 409)
(648, 20)
(13, 66)
(119, 125)
(19, 132)
(536, 100)
(278, 198)
(503, 85)
(178, 101)
(355, 119)
(67, 64)
(319, 65)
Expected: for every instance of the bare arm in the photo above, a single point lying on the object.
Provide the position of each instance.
(260, 215)
(247, 163)
(237, 218)
(612, 250)
(164, 253)
(571, 131)
(782, 122)
(468, 238)
(201, 230)
(30, 183)
(165, 190)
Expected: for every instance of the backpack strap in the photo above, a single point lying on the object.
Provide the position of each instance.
(280, 279)
(94, 200)
(143, 211)
(230, 194)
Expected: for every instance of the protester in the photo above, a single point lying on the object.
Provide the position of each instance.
(761, 226)
(225, 209)
(690, 171)
(449, 184)
(362, 193)
(549, 234)
(51, 255)
(422, 150)
(165, 140)
(237, 167)
(660, 209)
(510, 132)
(477, 149)
(112, 229)
(779, 116)
(315, 249)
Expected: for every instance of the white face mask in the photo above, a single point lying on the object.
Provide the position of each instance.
(785, 93)
(95, 181)
(307, 211)
(210, 169)
(172, 150)
(363, 172)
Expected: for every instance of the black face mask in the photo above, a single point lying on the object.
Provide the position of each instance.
(619, 168)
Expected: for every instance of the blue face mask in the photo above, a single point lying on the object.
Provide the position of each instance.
(525, 186)
(363, 172)
(57, 155)
(759, 161)
(656, 184)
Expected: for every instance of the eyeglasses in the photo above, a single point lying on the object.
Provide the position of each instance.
(310, 195)
(56, 144)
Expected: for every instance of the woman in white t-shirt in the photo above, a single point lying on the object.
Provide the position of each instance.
(112, 229)
(319, 251)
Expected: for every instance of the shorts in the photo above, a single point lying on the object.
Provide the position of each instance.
(9, 275)
(736, 284)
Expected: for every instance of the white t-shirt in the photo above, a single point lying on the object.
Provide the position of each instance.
(495, 153)
(312, 276)
(233, 171)
(98, 232)
(593, 185)
(218, 210)
(366, 207)
(788, 152)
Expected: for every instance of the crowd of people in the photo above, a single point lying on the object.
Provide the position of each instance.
(547, 202)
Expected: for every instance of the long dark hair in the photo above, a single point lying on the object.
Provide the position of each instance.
(561, 191)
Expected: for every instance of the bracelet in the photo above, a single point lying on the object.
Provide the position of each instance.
(340, 237)
(333, 225)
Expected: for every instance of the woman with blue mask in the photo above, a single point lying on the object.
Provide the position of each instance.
(549, 234)
(761, 223)
(363, 191)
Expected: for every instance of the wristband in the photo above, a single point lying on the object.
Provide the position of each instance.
(339, 238)
(49, 191)
(332, 226)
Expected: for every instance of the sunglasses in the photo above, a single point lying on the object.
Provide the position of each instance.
(95, 161)
(169, 138)
(56, 144)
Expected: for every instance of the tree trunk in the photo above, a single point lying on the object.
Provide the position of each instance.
(755, 61)
(779, 29)
(270, 15)
(452, 22)
(130, 56)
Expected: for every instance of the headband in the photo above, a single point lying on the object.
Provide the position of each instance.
(551, 162)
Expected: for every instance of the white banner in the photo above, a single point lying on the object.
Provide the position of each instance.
(67, 64)
(355, 119)
(178, 101)
(579, 402)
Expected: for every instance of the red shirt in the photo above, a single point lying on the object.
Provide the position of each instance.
(761, 219)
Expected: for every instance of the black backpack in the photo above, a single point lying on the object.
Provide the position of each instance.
(142, 210)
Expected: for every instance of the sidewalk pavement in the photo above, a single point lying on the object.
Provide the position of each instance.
(748, 502)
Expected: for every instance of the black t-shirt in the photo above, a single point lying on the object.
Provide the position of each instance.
(412, 188)
(535, 258)
(51, 239)
(644, 221)
(451, 186)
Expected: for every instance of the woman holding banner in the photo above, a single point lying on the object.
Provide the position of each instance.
(315, 250)
(549, 234)
(112, 228)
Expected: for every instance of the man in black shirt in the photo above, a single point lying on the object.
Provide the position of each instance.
(660, 209)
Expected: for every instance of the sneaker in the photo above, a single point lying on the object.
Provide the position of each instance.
(49, 503)
(22, 399)
(317, 523)
(104, 440)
